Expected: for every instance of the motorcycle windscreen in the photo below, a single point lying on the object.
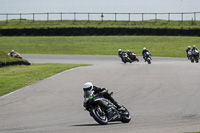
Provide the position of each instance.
(88, 93)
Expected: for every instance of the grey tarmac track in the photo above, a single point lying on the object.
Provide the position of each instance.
(163, 97)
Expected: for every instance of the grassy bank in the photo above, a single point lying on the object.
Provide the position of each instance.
(164, 46)
(15, 77)
(106, 23)
(4, 57)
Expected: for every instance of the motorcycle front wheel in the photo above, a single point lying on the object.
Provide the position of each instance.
(149, 61)
(197, 60)
(99, 116)
(126, 118)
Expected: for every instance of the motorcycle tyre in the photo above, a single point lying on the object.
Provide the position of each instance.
(197, 60)
(149, 61)
(125, 119)
(97, 118)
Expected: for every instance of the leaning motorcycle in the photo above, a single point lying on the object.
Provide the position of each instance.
(16, 55)
(147, 57)
(125, 58)
(193, 55)
(133, 57)
(103, 110)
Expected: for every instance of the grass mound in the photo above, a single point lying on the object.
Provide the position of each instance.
(6, 60)
(19, 24)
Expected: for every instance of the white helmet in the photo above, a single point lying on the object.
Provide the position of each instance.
(88, 86)
(189, 47)
(119, 50)
(144, 48)
(194, 46)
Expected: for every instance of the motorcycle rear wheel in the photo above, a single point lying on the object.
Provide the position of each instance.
(98, 117)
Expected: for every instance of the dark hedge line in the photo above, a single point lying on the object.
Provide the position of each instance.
(9, 63)
(98, 31)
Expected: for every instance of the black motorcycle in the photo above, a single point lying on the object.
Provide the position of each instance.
(125, 58)
(103, 110)
(193, 56)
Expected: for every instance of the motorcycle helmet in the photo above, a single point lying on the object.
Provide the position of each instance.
(88, 86)
(128, 50)
(194, 46)
(144, 48)
(119, 50)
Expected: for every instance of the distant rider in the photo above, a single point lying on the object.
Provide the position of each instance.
(104, 91)
(188, 49)
(121, 53)
(129, 53)
(12, 53)
(144, 53)
(194, 48)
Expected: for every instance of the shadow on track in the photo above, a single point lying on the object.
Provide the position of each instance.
(85, 125)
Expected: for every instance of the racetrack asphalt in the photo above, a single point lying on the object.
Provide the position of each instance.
(163, 97)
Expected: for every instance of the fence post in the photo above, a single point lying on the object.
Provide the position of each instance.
(194, 16)
(142, 17)
(33, 17)
(20, 17)
(168, 17)
(74, 16)
(6, 18)
(88, 17)
(155, 17)
(129, 17)
(47, 17)
(181, 16)
(102, 16)
(61, 17)
(115, 16)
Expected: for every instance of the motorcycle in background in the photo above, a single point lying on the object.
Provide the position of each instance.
(16, 55)
(133, 57)
(193, 55)
(147, 57)
(125, 58)
(103, 110)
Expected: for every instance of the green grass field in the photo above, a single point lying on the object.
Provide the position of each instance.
(106, 23)
(163, 46)
(15, 77)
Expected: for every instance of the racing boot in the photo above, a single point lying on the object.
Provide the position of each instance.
(119, 107)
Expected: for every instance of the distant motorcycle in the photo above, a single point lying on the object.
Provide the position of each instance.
(193, 55)
(16, 55)
(102, 110)
(133, 57)
(147, 57)
(125, 58)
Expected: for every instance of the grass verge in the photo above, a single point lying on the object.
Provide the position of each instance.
(4, 57)
(163, 46)
(24, 23)
(15, 77)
